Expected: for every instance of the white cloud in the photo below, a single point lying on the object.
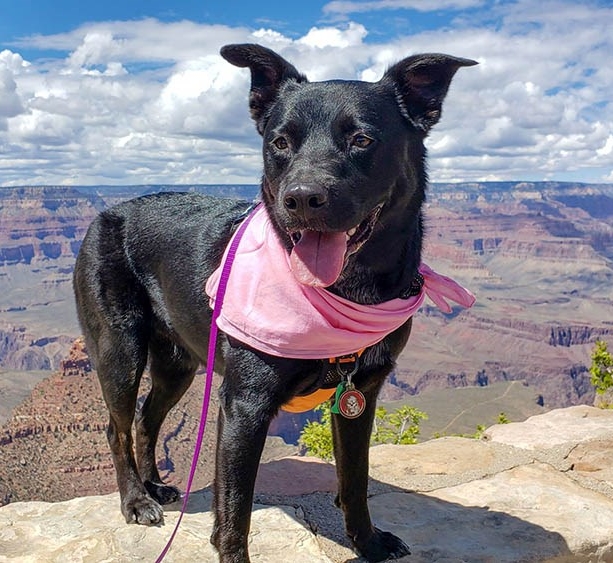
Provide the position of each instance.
(10, 104)
(42, 128)
(184, 104)
(13, 61)
(146, 40)
(358, 6)
(607, 147)
(334, 37)
(147, 102)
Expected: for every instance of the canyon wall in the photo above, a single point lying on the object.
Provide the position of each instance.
(539, 258)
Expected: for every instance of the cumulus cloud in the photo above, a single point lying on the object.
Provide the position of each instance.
(333, 37)
(10, 102)
(153, 102)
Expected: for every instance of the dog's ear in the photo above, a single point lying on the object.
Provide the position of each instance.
(422, 82)
(268, 72)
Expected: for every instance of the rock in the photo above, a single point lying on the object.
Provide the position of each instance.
(538, 492)
(296, 476)
(442, 462)
(92, 529)
(604, 400)
(529, 513)
(561, 426)
(594, 460)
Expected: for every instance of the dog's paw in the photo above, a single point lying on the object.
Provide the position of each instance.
(142, 510)
(164, 494)
(382, 546)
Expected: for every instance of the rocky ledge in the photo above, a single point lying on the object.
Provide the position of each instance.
(537, 491)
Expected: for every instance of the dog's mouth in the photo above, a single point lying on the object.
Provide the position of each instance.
(318, 257)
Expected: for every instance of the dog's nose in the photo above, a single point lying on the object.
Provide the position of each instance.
(305, 199)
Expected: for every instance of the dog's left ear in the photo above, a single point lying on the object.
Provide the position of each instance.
(422, 82)
(268, 72)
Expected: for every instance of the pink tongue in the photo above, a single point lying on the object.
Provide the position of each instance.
(317, 259)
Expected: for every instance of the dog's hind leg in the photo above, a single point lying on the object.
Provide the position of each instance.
(121, 361)
(115, 315)
(351, 438)
(172, 371)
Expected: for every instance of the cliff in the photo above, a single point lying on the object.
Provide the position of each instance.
(540, 491)
(21, 350)
(41, 224)
(54, 446)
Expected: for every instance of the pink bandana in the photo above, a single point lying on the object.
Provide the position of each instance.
(266, 308)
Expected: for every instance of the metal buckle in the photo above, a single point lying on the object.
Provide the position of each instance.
(349, 358)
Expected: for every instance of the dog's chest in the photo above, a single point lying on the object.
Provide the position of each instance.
(265, 307)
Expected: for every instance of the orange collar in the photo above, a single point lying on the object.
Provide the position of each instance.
(308, 402)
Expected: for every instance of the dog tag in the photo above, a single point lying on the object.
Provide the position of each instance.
(348, 401)
(352, 402)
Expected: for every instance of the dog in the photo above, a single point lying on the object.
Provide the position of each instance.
(343, 186)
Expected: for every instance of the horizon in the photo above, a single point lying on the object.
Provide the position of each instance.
(258, 184)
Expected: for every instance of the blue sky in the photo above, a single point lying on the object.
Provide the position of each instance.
(22, 18)
(135, 92)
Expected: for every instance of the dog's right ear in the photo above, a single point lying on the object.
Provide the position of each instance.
(268, 72)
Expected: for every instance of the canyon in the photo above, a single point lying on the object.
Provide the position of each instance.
(538, 256)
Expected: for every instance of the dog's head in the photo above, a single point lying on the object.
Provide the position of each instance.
(341, 157)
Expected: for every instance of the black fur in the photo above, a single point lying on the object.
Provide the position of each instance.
(333, 152)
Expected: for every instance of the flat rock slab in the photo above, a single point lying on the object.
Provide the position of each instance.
(561, 426)
(91, 529)
(443, 462)
(529, 513)
(594, 460)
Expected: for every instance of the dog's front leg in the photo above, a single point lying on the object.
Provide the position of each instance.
(245, 414)
(239, 449)
(351, 446)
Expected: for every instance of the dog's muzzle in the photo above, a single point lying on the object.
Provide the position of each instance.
(318, 257)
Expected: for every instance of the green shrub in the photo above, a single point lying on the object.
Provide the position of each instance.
(503, 419)
(398, 427)
(478, 434)
(601, 368)
(316, 437)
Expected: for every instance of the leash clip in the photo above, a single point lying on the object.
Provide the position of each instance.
(348, 359)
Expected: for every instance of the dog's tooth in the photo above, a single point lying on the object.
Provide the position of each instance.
(352, 232)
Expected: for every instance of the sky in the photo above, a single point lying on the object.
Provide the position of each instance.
(135, 92)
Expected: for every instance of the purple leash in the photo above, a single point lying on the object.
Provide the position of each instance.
(210, 364)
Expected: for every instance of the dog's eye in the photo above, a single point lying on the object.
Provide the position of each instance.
(361, 141)
(281, 143)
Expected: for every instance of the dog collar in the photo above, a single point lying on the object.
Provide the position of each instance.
(332, 375)
(416, 287)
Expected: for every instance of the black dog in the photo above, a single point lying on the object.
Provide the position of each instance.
(339, 157)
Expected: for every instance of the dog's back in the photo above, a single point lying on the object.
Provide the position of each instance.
(142, 252)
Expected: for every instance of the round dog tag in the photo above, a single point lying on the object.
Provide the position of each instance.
(351, 403)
